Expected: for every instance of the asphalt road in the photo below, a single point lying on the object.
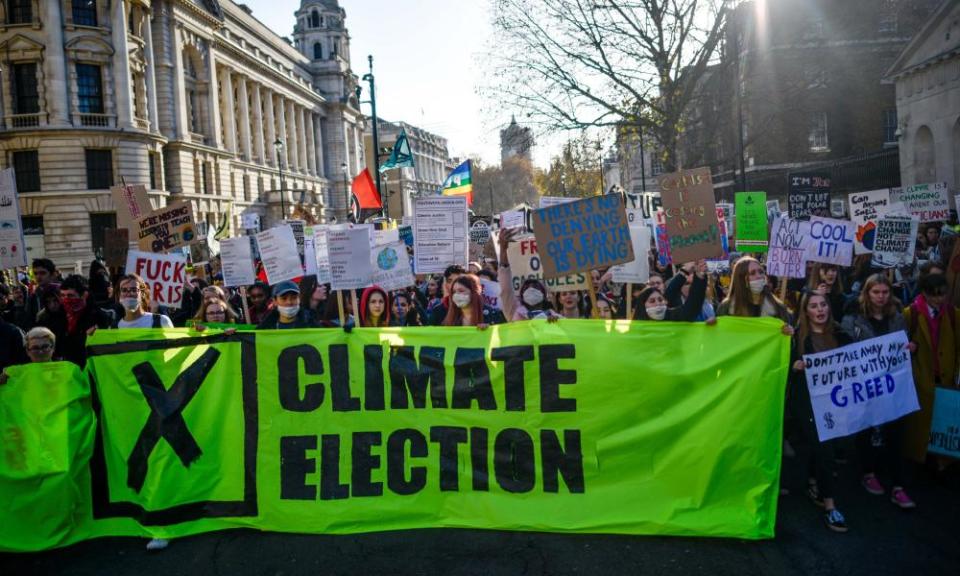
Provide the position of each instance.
(882, 540)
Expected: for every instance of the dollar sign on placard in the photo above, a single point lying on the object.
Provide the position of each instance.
(828, 419)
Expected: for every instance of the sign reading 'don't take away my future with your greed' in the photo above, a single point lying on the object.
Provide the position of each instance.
(691, 215)
(582, 235)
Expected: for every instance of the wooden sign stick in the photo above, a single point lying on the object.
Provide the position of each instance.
(594, 313)
(356, 306)
(340, 308)
(243, 304)
(629, 315)
(783, 288)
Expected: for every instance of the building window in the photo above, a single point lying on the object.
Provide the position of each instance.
(819, 140)
(26, 99)
(890, 126)
(98, 224)
(26, 167)
(19, 11)
(656, 165)
(99, 169)
(85, 12)
(317, 51)
(90, 88)
(32, 225)
(152, 158)
(314, 19)
(204, 178)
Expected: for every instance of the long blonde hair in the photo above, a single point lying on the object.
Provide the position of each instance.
(740, 298)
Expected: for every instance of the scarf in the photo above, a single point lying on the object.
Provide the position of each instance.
(74, 308)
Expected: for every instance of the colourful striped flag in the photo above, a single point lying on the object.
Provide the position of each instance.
(459, 183)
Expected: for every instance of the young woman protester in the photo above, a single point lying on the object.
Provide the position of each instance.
(932, 325)
(533, 301)
(374, 308)
(825, 278)
(652, 305)
(817, 332)
(878, 314)
(466, 305)
(313, 296)
(678, 289)
(750, 296)
(214, 311)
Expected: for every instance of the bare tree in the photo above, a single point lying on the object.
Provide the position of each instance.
(575, 64)
(499, 188)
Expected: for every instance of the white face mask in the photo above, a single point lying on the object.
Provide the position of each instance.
(288, 311)
(532, 297)
(657, 312)
(130, 304)
(757, 286)
(461, 300)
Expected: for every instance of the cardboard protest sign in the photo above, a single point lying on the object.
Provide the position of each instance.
(808, 195)
(928, 202)
(662, 239)
(116, 243)
(945, 426)
(583, 235)
(751, 230)
(391, 266)
(236, 262)
(831, 241)
(637, 271)
(861, 385)
(167, 228)
(298, 226)
(278, 252)
(787, 257)
(865, 209)
(13, 251)
(525, 263)
(321, 254)
(132, 203)
(349, 257)
(164, 275)
(895, 241)
(439, 233)
(691, 215)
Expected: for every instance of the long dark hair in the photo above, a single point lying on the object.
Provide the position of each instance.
(803, 330)
(454, 314)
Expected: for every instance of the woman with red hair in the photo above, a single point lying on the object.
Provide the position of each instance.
(467, 307)
(374, 307)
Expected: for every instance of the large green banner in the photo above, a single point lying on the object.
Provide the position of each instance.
(577, 426)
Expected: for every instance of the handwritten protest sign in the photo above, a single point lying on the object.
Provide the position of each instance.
(350, 257)
(391, 266)
(809, 195)
(12, 246)
(662, 238)
(830, 241)
(788, 248)
(490, 292)
(945, 426)
(928, 202)
(860, 385)
(751, 230)
(895, 242)
(865, 209)
(439, 233)
(321, 254)
(116, 243)
(525, 263)
(164, 275)
(132, 203)
(691, 215)
(583, 235)
(167, 228)
(278, 252)
(236, 262)
(637, 271)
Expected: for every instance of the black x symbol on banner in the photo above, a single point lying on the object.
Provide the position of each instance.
(166, 415)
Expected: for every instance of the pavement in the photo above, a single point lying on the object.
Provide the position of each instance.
(882, 540)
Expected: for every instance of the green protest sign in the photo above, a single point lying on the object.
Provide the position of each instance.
(526, 426)
(751, 230)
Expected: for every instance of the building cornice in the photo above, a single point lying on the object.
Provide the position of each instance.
(305, 90)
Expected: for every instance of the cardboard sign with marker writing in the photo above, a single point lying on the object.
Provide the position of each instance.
(116, 243)
(691, 215)
(167, 228)
(582, 235)
(132, 203)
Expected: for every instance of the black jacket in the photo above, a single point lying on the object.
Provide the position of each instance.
(74, 348)
(272, 321)
(11, 345)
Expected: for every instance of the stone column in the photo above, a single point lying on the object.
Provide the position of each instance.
(282, 132)
(228, 110)
(311, 144)
(293, 144)
(318, 138)
(270, 156)
(151, 75)
(258, 148)
(213, 100)
(55, 62)
(121, 65)
(302, 141)
(179, 86)
(245, 119)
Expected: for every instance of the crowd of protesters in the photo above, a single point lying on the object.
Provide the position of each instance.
(44, 315)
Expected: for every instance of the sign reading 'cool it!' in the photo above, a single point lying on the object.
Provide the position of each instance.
(691, 215)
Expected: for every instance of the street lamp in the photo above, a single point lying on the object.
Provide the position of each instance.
(368, 77)
(278, 145)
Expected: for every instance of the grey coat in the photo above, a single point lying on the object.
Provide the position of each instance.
(859, 328)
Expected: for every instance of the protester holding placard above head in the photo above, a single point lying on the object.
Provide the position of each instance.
(135, 299)
(83, 317)
(652, 305)
(750, 295)
(466, 305)
(260, 303)
(677, 292)
(932, 325)
(287, 312)
(817, 332)
(878, 447)
(825, 279)
(533, 302)
(374, 308)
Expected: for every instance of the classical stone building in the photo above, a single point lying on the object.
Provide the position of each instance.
(197, 100)
(927, 77)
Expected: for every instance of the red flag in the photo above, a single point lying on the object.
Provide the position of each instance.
(365, 191)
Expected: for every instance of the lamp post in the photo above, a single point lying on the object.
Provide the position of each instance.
(278, 145)
(368, 77)
(346, 190)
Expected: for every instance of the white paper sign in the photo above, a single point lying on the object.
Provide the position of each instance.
(928, 202)
(309, 252)
(164, 274)
(512, 219)
(861, 385)
(439, 233)
(236, 262)
(637, 271)
(787, 255)
(391, 266)
(383, 237)
(278, 252)
(896, 241)
(490, 292)
(865, 209)
(322, 254)
(250, 221)
(547, 201)
(349, 257)
(12, 249)
(831, 241)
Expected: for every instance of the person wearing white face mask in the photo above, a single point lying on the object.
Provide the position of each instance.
(287, 313)
(651, 304)
(467, 308)
(135, 299)
(533, 302)
(750, 296)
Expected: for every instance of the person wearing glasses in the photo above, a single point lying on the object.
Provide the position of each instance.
(135, 298)
(40, 343)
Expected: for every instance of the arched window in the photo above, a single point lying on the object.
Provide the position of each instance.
(924, 159)
(314, 19)
(317, 51)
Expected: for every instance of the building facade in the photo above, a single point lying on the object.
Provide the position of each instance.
(197, 100)
(516, 140)
(927, 79)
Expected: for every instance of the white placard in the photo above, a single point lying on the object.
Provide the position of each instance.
(547, 201)
(439, 233)
(490, 292)
(383, 237)
(787, 255)
(250, 221)
(896, 241)
(860, 385)
(637, 271)
(349, 258)
(322, 254)
(164, 274)
(236, 262)
(12, 249)
(299, 233)
(830, 241)
(865, 209)
(512, 219)
(391, 266)
(278, 252)
(928, 202)
(309, 252)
